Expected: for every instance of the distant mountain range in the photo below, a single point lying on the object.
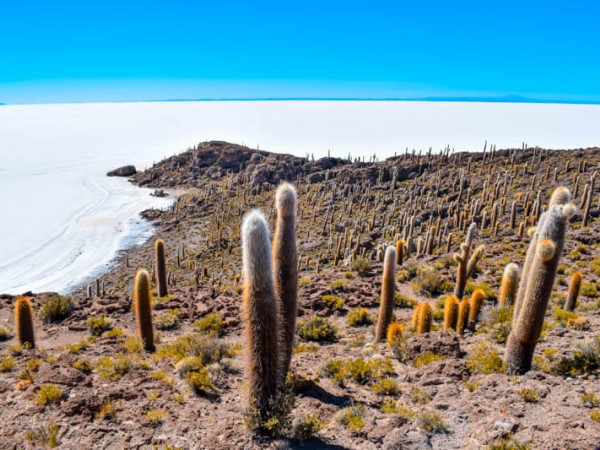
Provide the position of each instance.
(490, 99)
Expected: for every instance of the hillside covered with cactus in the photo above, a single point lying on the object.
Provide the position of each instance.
(438, 300)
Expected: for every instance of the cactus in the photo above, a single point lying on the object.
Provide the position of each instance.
(509, 286)
(466, 265)
(395, 334)
(450, 313)
(24, 322)
(574, 287)
(539, 272)
(422, 322)
(285, 269)
(399, 252)
(260, 311)
(463, 316)
(388, 287)
(142, 297)
(161, 268)
(475, 305)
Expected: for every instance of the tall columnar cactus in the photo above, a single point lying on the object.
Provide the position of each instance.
(399, 252)
(142, 298)
(161, 268)
(537, 281)
(509, 286)
(450, 313)
(475, 305)
(466, 265)
(463, 316)
(285, 269)
(260, 311)
(24, 322)
(388, 288)
(474, 259)
(574, 287)
(422, 318)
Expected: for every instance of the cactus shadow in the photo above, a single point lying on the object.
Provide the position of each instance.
(313, 444)
(318, 393)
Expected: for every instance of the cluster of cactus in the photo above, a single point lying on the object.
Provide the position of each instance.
(422, 318)
(269, 301)
(539, 272)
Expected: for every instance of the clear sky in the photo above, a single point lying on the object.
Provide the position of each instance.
(71, 51)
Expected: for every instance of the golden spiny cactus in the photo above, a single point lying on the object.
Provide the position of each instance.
(450, 313)
(387, 294)
(142, 298)
(24, 322)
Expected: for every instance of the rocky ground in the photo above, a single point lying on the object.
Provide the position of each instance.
(88, 384)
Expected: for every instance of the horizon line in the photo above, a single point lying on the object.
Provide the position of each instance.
(441, 99)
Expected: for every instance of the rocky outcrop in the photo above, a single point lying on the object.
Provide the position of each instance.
(125, 171)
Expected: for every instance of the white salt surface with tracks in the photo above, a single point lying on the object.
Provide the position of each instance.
(63, 221)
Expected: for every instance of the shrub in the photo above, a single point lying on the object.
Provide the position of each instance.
(386, 386)
(431, 284)
(83, 365)
(585, 359)
(588, 289)
(352, 417)
(77, 347)
(307, 426)
(98, 325)
(426, 358)
(114, 369)
(48, 395)
(402, 301)
(167, 320)
(508, 443)
(200, 381)
(338, 285)
(6, 364)
(6, 333)
(333, 303)
(317, 329)
(155, 416)
(108, 410)
(211, 324)
(471, 287)
(419, 396)
(359, 317)
(500, 323)
(55, 309)
(208, 348)
(45, 435)
(362, 266)
(432, 422)
(595, 415)
(590, 400)
(485, 359)
(528, 395)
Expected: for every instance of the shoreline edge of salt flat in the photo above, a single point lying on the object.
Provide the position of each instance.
(67, 221)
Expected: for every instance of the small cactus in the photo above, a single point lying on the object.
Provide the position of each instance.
(399, 252)
(387, 294)
(24, 322)
(463, 316)
(260, 311)
(161, 268)
(422, 322)
(450, 313)
(475, 305)
(395, 334)
(509, 286)
(142, 298)
(285, 269)
(574, 287)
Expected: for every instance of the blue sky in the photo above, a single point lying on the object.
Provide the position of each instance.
(70, 51)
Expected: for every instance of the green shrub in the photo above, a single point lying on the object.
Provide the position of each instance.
(500, 323)
(317, 329)
(426, 358)
(386, 386)
(200, 381)
(359, 317)
(585, 359)
(55, 309)
(419, 396)
(333, 303)
(6, 364)
(48, 395)
(471, 287)
(114, 369)
(508, 443)
(352, 417)
(156, 416)
(588, 289)
(98, 325)
(402, 301)
(432, 422)
(167, 320)
(45, 435)
(307, 427)
(431, 284)
(484, 358)
(211, 324)
(83, 365)
(6, 333)
(528, 395)
(595, 415)
(208, 348)
(362, 266)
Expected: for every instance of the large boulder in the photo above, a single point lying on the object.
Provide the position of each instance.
(125, 171)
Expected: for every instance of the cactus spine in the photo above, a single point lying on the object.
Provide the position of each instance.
(260, 311)
(285, 269)
(509, 286)
(450, 313)
(539, 273)
(24, 322)
(574, 286)
(161, 268)
(142, 297)
(388, 287)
